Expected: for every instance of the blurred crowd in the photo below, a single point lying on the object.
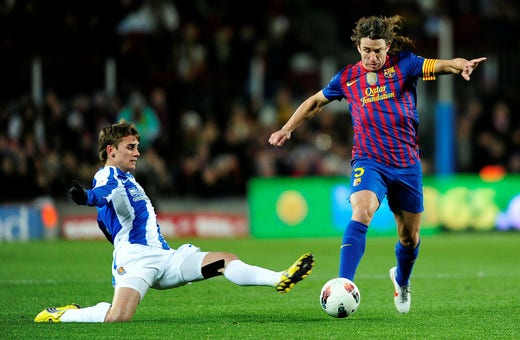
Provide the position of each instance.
(206, 82)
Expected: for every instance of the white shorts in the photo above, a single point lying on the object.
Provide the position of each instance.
(158, 268)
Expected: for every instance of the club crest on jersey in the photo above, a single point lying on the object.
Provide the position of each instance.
(389, 72)
(356, 182)
(121, 270)
(371, 78)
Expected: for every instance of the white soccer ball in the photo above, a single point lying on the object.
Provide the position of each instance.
(340, 297)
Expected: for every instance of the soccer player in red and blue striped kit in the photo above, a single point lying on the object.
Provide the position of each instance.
(380, 90)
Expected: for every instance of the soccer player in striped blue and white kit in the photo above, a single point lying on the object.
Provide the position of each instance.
(380, 90)
(142, 259)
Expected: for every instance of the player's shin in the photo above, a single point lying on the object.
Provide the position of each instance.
(406, 257)
(244, 274)
(352, 249)
(95, 313)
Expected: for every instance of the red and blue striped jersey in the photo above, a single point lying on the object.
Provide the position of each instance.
(383, 107)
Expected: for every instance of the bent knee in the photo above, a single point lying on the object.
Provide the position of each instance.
(114, 316)
(409, 241)
(219, 255)
(230, 257)
(363, 215)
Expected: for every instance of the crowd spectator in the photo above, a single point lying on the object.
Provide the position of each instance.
(144, 117)
(206, 81)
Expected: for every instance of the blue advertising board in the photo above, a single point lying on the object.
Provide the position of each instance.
(20, 223)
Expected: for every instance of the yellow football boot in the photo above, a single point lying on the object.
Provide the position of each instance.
(297, 272)
(53, 314)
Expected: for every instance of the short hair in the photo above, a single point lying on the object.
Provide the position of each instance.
(379, 27)
(113, 134)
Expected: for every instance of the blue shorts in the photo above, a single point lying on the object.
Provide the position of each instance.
(402, 186)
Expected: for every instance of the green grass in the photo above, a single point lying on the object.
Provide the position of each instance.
(465, 286)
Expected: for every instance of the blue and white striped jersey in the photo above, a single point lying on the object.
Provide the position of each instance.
(125, 213)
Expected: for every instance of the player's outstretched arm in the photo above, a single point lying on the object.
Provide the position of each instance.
(305, 111)
(460, 66)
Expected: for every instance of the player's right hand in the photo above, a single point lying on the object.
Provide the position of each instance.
(279, 137)
(78, 193)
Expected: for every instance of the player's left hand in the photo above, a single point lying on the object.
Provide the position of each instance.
(470, 66)
(78, 193)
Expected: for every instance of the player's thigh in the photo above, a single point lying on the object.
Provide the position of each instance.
(180, 267)
(137, 261)
(405, 193)
(366, 175)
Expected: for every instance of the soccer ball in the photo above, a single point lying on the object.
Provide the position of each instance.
(340, 297)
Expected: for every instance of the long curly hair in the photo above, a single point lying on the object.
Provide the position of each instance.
(386, 28)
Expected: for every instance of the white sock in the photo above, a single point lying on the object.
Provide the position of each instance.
(244, 274)
(95, 313)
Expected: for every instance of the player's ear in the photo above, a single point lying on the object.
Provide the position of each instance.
(110, 150)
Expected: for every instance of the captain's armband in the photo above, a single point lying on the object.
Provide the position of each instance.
(428, 69)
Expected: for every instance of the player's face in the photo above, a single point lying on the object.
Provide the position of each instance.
(124, 155)
(373, 53)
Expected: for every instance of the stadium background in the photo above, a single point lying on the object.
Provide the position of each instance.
(220, 76)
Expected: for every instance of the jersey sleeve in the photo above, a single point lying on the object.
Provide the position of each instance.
(333, 89)
(418, 66)
(104, 184)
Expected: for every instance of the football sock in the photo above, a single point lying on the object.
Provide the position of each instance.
(95, 313)
(406, 257)
(352, 249)
(244, 274)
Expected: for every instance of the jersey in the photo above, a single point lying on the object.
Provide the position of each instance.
(125, 213)
(383, 107)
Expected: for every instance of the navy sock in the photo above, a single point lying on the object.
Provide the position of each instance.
(352, 249)
(406, 257)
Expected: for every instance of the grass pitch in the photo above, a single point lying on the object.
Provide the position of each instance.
(464, 286)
